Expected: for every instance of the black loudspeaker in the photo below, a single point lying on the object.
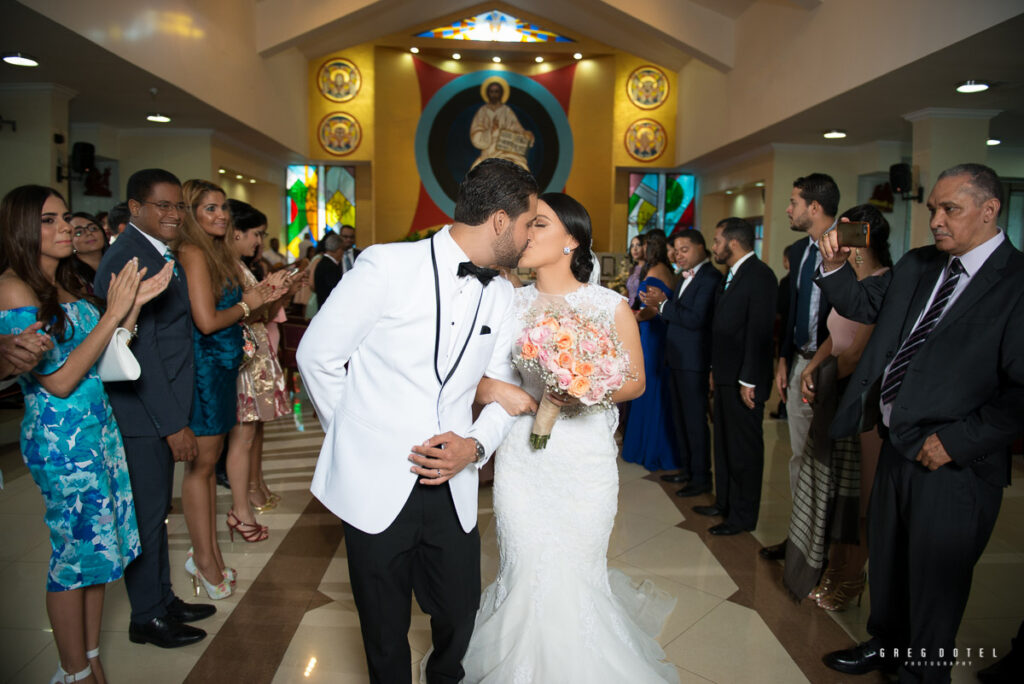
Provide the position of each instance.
(900, 178)
(83, 157)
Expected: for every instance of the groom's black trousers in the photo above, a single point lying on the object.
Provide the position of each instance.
(424, 550)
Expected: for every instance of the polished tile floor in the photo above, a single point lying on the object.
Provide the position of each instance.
(292, 617)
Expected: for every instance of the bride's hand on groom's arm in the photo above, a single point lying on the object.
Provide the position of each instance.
(512, 398)
(441, 457)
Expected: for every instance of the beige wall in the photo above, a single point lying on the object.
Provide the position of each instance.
(29, 153)
(776, 76)
(207, 49)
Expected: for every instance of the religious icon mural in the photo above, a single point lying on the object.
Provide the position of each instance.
(339, 133)
(339, 80)
(471, 117)
(645, 140)
(647, 87)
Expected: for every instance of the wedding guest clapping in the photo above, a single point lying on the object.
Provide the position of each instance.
(89, 243)
(70, 439)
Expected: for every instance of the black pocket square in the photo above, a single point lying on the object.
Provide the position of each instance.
(485, 330)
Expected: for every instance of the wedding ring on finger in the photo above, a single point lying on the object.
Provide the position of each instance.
(439, 472)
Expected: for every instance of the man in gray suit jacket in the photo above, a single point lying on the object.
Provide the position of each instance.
(943, 376)
(153, 411)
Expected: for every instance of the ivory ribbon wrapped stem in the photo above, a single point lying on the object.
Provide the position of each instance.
(543, 422)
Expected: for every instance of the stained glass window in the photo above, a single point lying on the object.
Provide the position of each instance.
(661, 201)
(318, 199)
(495, 26)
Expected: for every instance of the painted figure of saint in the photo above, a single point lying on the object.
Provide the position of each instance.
(496, 130)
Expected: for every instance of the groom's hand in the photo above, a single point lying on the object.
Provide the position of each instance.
(441, 457)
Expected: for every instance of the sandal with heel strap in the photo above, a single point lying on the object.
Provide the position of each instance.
(843, 595)
(63, 677)
(251, 532)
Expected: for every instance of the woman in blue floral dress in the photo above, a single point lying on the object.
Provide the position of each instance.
(70, 440)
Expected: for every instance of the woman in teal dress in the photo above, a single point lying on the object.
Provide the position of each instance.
(70, 440)
(219, 305)
(649, 439)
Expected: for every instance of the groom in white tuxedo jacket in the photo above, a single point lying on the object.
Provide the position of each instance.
(391, 362)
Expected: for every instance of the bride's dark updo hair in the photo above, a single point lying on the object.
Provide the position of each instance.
(577, 223)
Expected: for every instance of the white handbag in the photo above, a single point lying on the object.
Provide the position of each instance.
(117, 363)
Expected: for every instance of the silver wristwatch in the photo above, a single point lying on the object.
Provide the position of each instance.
(480, 453)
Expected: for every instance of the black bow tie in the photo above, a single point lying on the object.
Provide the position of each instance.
(484, 275)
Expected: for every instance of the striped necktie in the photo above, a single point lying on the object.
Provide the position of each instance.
(728, 279)
(169, 258)
(898, 369)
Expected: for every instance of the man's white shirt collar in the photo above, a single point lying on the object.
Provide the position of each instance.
(735, 267)
(159, 246)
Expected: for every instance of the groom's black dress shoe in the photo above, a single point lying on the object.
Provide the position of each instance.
(725, 530)
(179, 611)
(710, 511)
(676, 478)
(164, 632)
(860, 659)
(774, 552)
(694, 490)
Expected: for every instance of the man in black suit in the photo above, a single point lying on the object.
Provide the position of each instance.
(741, 364)
(813, 207)
(328, 270)
(688, 356)
(944, 374)
(349, 251)
(153, 411)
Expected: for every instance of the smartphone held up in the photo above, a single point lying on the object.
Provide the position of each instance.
(854, 233)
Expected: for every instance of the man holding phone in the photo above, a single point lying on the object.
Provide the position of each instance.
(813, 207)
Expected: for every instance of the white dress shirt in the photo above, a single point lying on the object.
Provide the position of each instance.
(159, 246)
(812, 321)
(459, 297)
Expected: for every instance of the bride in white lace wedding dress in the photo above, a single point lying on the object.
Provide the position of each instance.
(556, 614)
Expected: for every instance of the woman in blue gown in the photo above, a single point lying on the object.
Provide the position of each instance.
(649, 440)
(219, 306)
(70, 440)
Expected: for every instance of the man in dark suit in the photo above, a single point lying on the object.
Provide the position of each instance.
(349, 251)
(813, 207)
(944, 370)
(741, 365)
(153, 411)
(688, 356)
(328, 270)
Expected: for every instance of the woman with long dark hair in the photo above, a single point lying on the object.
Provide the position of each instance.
(637, 259)
(827, 543)
(89, 243)
(70, 439)
(648, 439)
(219, 303)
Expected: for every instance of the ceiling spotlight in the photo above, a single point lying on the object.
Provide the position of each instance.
(972, 87)
(992, 142)
(238, 176)
(577, 55)
(252, 180)
(414, 50)
(759, 184)
(729, 192)
(496, 59)
(834, 134)
(158, 118)
(456, 56)
(20, 59)
(538, 60)
(221, 171)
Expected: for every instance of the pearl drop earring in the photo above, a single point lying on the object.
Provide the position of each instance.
(566, 250)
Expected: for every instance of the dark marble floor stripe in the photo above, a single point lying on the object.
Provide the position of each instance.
(804, 630)
(252, 642)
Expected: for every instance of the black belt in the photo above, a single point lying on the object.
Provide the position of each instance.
(807, 356)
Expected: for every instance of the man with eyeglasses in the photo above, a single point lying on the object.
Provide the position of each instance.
(153, 411)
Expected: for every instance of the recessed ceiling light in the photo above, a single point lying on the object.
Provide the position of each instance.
(972, 87)
(20, 59)
(759, 184)
(158, 118)
(538, 59)
(221, 171)
(992, 142)
(577, 55)
(456, 56)
(496, 59)
(729, 192)
(252, 180)
(238, 176)
(414, 50)
(834, 134)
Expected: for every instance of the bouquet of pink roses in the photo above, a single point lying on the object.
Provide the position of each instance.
(576, 356)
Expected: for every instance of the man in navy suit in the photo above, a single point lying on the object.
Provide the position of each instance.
(153, 411)
(688, 356)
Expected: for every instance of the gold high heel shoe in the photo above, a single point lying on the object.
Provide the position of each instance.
(843, 595)
(268, 504)
(825, 587)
